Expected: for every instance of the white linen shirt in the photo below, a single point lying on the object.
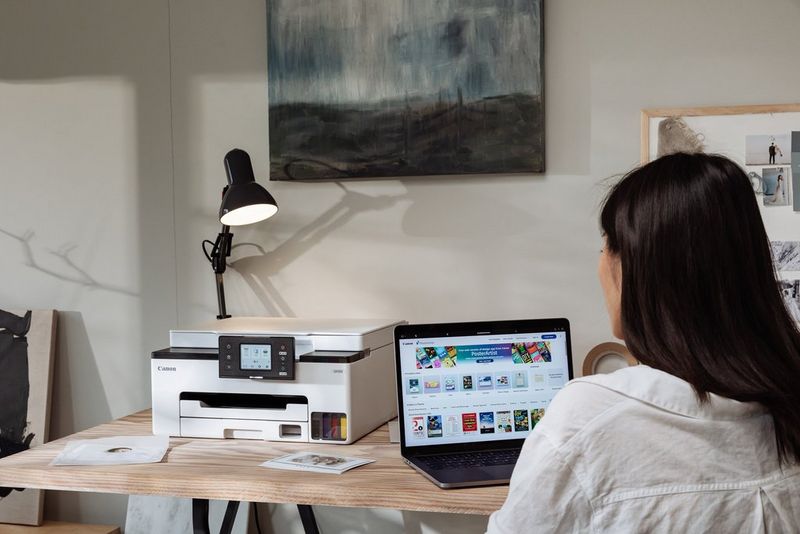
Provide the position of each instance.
(635, 451)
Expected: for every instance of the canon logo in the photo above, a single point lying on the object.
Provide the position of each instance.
(166, 368)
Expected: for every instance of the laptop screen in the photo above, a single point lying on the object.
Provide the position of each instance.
(479, 387)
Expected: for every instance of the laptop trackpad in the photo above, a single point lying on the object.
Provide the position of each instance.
(497, 474)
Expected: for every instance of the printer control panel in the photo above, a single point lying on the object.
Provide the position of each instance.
(266, 358)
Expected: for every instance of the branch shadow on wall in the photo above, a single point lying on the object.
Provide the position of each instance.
(70, 273)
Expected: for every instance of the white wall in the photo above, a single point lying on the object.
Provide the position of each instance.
(86, 173)
(419, 249)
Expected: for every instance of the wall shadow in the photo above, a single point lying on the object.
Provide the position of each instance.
(93, 40)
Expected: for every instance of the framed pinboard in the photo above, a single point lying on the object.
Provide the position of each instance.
(765, 141)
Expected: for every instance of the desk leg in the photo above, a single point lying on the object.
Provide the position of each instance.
(200, 516)
(308, 519)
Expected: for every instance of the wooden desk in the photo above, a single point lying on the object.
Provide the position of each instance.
(228, 470)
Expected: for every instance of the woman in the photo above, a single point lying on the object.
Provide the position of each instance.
(704, 436)
(778, 197)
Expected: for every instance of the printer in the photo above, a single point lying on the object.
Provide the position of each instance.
(278, 379)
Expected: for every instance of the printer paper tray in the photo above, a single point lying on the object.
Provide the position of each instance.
(292, 412)
(197, 427)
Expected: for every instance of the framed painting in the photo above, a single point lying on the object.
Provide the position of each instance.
(365, 89)
(27, 346)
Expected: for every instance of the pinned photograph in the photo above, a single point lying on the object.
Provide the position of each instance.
(796, 170)
(767, 149)
(790, 290)
(775, 187)
(786, 255)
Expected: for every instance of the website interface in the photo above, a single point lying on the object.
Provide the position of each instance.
(479, 388)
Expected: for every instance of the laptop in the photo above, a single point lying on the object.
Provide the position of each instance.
(470, 393)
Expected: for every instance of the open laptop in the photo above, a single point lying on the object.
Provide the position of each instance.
(470, 393)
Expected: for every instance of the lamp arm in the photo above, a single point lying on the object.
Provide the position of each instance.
(221, 250)
(218, 258)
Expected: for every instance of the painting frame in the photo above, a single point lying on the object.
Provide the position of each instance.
(479, 136)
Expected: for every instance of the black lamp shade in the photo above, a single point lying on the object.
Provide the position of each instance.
(245, 201)
(246, 204)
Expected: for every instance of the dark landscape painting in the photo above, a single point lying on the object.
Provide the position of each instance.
(367, 89)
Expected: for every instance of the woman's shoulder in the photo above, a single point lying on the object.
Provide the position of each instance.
(583, 400)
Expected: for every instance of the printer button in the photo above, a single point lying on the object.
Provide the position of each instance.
(228, 366)
(228, 357)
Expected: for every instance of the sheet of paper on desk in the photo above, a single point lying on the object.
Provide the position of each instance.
(316, 462)
(117, 450)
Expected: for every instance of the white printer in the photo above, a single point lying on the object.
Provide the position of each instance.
(280, 379)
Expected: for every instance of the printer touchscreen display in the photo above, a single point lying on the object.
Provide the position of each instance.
(256, 357)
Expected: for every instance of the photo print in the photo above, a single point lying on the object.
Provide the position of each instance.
(790, 290)
(786, 255)
(775, 186)
(767, 149)
(796, 170)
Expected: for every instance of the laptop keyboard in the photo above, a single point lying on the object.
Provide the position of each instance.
(471, 459)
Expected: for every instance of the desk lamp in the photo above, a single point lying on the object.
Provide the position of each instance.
(243, 202)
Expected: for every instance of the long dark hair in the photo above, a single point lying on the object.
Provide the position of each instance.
(700, 298)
